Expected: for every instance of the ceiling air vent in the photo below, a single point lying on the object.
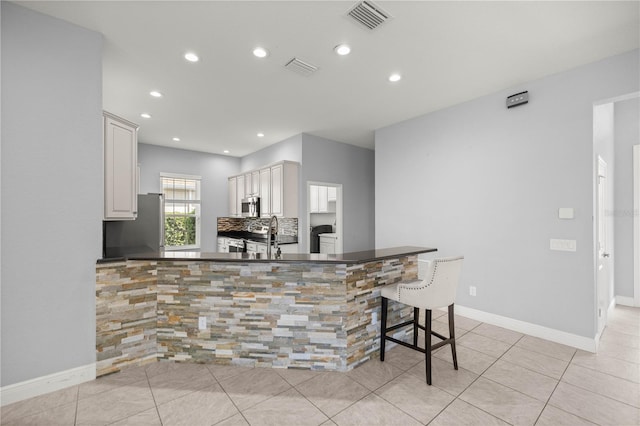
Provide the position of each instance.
(301, 67)
(369, 14)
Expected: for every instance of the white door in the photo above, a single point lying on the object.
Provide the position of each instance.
(603, 259)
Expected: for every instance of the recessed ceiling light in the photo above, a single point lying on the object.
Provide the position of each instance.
(226, 151)
(145, 115)
(176, 139)
(395, 77)
(155, 94)
(260, 135)
(260, 52)
(191, 57)
(342, 49)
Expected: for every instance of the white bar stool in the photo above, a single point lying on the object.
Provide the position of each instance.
(437, 290)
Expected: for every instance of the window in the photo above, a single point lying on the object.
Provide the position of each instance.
(181, 211)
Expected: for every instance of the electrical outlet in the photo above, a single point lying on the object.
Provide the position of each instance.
(202, 323)
(562, 245)
(374, 318)
(472, 290)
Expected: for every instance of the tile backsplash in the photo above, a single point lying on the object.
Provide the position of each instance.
(286, 225)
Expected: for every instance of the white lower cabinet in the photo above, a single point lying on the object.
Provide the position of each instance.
(262, 248)
(328, 243)
(222, 245)
(289, 248)
(256, 247)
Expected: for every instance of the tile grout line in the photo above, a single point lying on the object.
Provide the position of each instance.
(75, 417)
(155, 404)
(229, 396)
(486, 378)
(345, 408)
(554, 390)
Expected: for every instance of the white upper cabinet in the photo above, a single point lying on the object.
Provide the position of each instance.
(322, 199)
(239, 194)
(313, 198)
(276, 185)
(332, 194)
(277, 190)
(120, 168)
(255, 182)
(248, 187)
(284, 189)
(233, 196)
(265, 192)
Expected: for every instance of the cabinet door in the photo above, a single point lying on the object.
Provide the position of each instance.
(233, 197)
(222, 245)
(248, 187)
(277, 187)
(255, 182)
(120, 169)
(323, 201)
(262, 248)
(327, 248)
(265, 192)
(313, 198)
(240, 194)
(289, 248)
(332, 193)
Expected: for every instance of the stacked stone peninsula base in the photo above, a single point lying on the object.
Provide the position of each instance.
(285, 313)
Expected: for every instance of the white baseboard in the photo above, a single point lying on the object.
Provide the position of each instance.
(625, 301)
(45, 384)
(562, 337)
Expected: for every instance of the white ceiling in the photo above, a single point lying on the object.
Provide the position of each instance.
(447, 53)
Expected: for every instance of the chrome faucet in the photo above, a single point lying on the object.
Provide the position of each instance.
(275, 240)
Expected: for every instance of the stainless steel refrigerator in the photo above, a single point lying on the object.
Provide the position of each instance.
(145, 234)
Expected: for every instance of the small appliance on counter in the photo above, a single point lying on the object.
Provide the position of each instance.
(145, 234)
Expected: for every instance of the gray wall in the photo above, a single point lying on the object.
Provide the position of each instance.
(51, 193)
(354, 167)
(214, 170)
(627, 134)
(289, 149)
(486, 182)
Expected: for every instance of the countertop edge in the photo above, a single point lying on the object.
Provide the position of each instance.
(345, 258)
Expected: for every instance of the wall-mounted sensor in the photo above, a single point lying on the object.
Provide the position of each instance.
(518, 99)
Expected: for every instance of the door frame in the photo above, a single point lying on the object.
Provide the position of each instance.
(636, 225)
(601, 255)
(339, 214)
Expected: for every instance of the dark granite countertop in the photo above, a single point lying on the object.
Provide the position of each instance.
(257, 238)
(349, 258)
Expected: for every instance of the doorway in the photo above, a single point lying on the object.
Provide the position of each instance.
(324, 216)
(602, 246)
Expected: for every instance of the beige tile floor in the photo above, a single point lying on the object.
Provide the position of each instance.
(505, 378)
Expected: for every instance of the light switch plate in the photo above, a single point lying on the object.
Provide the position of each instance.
(562, 245)
(565, 213)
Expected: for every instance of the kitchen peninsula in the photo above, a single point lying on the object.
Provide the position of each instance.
(306, 311)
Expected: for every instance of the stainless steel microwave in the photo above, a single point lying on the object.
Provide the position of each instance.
(251, 207)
